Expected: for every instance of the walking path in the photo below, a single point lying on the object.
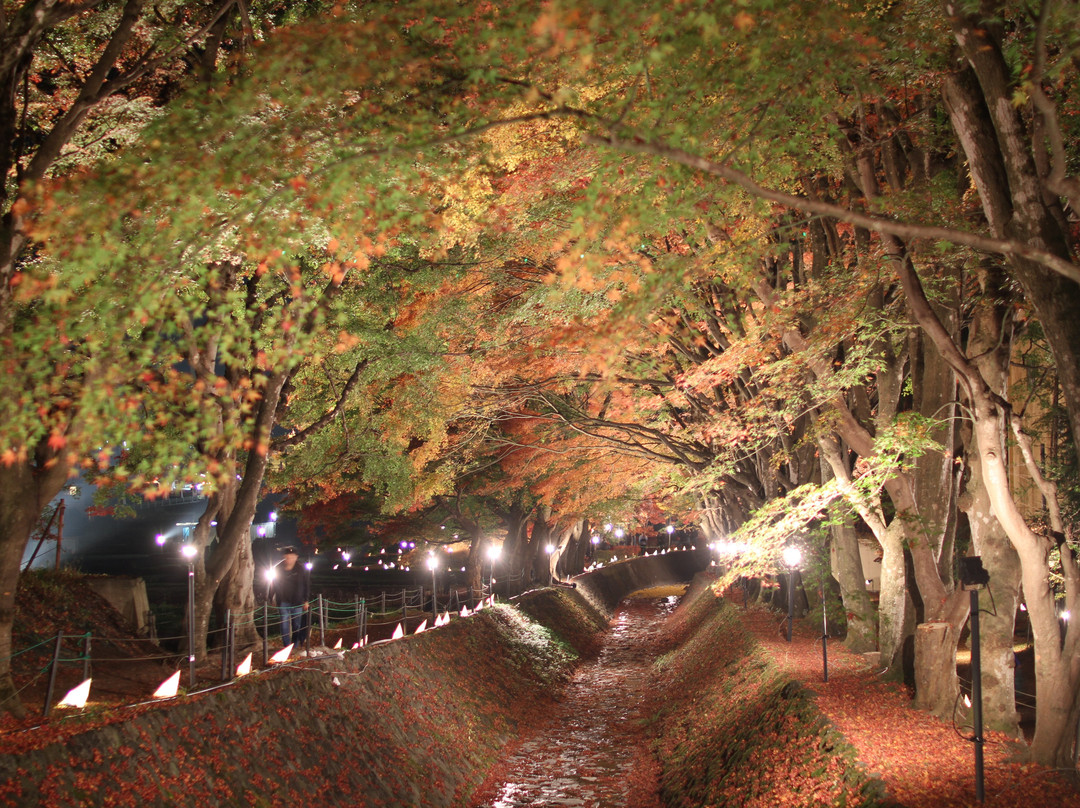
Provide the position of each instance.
(924, 762)
(592, 751)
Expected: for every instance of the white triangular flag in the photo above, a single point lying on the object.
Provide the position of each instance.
(77, 696)
(169, 688)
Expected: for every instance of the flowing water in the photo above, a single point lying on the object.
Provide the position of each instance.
(592, 752)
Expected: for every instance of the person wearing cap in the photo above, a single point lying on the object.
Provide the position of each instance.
(292, 588)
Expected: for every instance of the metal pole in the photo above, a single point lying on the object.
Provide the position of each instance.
(360, 627)
(790, 601)
(322, 621)
(191, 623)
(59, 531)
(434, 603)
(225, 648)
(266, 633)
(86, 657)
(824, 634)
(976, 696)
(52, 674)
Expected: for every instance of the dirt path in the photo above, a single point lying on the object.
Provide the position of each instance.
(592, 751)
(924, 762)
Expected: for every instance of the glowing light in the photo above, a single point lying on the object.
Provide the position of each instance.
(595, 539)
(355, 645)
(273, 516)
(308, 565)
(494, 552)
(619, 533)
(160, 539)
(261, 530)
(1065, 615)
(189, 551)
(465, 611)
(421, 627)
(244, 668)
(550, 549)
(792, 556)
(399, 632)
(670, 529)
(432, 562)
(77, 696)
(1023, 606)
(967, 700)
(169, 688)
(283, 654)
(346, 556)
(607, 527)
(337, 645)
(271, 573)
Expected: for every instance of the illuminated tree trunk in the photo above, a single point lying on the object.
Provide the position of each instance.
(847, 568)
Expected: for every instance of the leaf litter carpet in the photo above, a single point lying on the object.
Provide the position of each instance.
(924, 762)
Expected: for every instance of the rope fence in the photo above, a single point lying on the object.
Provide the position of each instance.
(407, 610)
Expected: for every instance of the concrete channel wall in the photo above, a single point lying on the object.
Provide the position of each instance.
(606, 587)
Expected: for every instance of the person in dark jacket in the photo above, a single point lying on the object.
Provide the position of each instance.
(292, 590)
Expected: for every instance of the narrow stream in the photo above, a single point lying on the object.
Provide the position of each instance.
(592, 752)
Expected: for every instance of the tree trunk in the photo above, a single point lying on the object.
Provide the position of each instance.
(237, 594)
(847, 568)
(936, 685)
(25, 489)
(896, 617)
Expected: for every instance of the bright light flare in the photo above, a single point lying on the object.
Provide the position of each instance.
(399, 632)
(283, 654)
(792, 556)
(337, 645)
(244, 668)
(422, 627)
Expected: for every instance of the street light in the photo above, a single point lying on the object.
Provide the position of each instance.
(973, 577)
(550, 548)
(670, 529)
(493, 553)
(189, 552)
(432, 563)
(792, 558)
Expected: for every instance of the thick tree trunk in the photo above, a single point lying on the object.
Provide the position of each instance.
(25, 489)
(936, 685)
(847, 568)
(896, 614)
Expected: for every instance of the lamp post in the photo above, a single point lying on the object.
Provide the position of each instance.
(595, 547)
(189, 552)
(792, 558)
(432, 563)
(271, 574)
(669, 529)
(550, 548)
(493, 553)
(974, 577)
